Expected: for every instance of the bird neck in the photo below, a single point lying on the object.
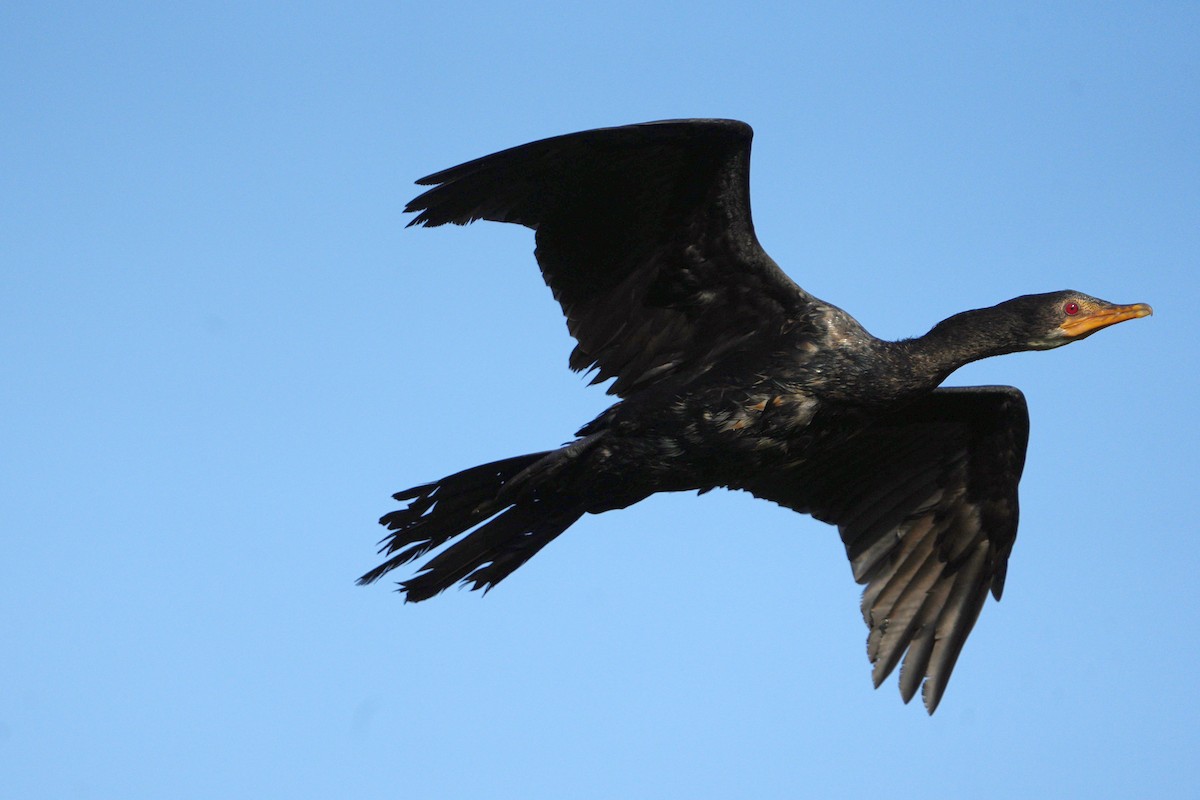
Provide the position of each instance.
(961, 339)
(856, 368)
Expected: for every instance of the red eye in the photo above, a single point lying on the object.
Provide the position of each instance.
(1071, 308)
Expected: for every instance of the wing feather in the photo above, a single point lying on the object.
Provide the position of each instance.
(644, 236)
(925, 500)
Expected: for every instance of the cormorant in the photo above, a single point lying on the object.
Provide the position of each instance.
(730, 375)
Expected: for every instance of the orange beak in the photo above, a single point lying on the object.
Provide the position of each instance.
(1090, 320)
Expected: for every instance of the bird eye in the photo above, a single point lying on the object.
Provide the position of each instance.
(1071, 308)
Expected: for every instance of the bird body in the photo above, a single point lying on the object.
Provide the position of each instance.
(730, 375)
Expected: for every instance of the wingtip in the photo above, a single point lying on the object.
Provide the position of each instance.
(422, 219)
(930, 698)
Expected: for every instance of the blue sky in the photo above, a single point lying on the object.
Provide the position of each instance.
(222, 352)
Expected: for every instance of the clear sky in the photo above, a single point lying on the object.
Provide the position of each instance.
(221, 352)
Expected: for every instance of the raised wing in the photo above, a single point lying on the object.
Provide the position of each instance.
(643, 234)
(926, 503)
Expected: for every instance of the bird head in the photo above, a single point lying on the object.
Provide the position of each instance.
(1045, 321)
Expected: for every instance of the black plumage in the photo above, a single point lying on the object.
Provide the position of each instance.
(730, 375)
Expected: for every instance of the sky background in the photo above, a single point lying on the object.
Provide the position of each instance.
(222, 352)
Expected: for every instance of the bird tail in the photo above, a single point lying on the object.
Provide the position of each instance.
(512, 515)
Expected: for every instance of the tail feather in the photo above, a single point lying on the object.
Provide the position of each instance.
(512, 526)
(490, 553)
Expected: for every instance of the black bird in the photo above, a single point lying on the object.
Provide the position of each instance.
(731, 375)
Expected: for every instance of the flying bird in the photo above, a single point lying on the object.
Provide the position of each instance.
(730, 375)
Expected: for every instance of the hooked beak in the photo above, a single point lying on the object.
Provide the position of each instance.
(1090, 320)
